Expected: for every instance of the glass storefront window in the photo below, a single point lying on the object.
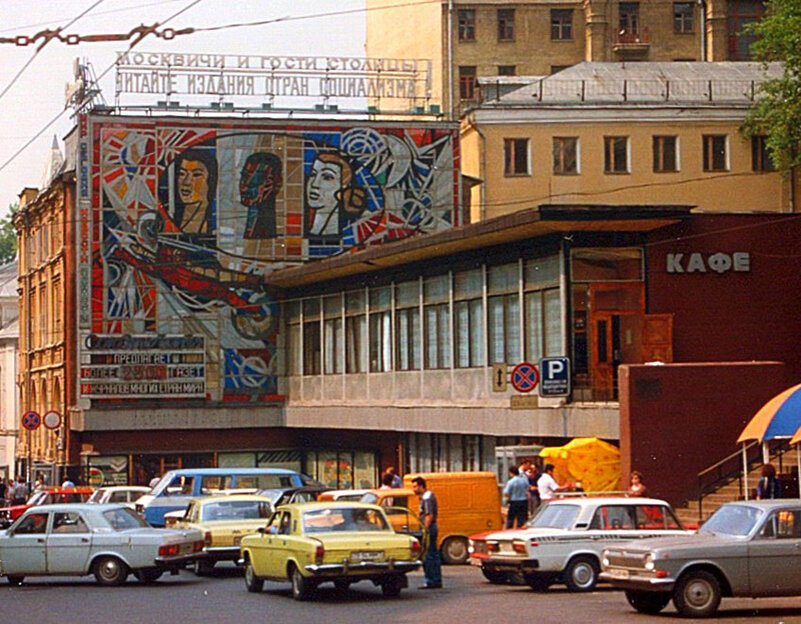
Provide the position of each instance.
(607, 265)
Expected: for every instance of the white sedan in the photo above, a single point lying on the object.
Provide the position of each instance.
(124, 494)
(109, 541)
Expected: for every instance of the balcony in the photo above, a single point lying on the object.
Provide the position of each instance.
(632, 44)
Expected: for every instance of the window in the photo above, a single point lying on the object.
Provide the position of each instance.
(682, 17)
(610, 517)
(506, 70)
(380, 330)
(506, 24)
(542, 308)
(437, 321)
(616, 154)
(311, 337)
(407, 325)
(467, 82)
(57, 314)
(333, 335)
(715, 158)
(503, 313)
(629, 13)
(760, 154)
(34, 523)
(355, 333)
(561, 24)
(68, 522)
(741, 14)
(467, 25)
(665, 154)
(655, 517)
(565, 155)
(43, 316)
(468, 310)
(515, 157)
(295, 357)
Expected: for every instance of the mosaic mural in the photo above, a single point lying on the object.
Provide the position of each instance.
(187, 220)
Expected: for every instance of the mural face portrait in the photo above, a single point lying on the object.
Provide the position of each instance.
(193, 189)
(322, 196)
(259, 183)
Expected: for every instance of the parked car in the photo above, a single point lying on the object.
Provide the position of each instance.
(124, 494)
(747, 548)
(563, 542)
(109, 541)
(177, 487)
(47, 495)
(285, 496)
(312, 543)
(224, 521)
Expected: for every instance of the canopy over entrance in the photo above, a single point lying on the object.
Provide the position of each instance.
(590, 461)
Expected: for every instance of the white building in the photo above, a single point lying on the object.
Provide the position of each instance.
(9, 340)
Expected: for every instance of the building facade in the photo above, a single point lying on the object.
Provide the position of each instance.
(9, 342)
(471, 40)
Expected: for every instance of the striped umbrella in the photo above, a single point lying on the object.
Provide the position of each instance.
(778, 418)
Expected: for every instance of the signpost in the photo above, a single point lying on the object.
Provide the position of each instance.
(30, 421)
(555, 377)
(525, 377)
(500, 375)
(52, 420)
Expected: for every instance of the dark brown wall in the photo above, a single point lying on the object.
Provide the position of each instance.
(732, 316)
(678, 419)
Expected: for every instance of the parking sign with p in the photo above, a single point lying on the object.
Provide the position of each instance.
(554, 376)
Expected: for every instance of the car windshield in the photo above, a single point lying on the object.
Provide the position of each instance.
(38, 498)
(123, 518)
(236, 510)
(736, 520)
(555, 517)
(96, 497)
(344, 519)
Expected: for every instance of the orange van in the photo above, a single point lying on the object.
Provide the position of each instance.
(468, 503)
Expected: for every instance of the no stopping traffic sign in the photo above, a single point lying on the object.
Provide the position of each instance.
(31, 420)
(525, 377)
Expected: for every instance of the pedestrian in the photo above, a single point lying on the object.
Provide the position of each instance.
(432, 565)
(516, 493)
(67, 482)
(768, 485)
(547, 485)
(39, 483)
(20, 492)
(386, 481)
(532, 474)
(637, 486)
(397, 482)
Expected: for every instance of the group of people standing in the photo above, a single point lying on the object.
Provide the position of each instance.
(526, 489)
(14, 492)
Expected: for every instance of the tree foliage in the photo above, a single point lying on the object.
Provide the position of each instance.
(777, 111)
(8, 236)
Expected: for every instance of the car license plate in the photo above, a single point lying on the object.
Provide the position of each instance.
(367, 555)
(617, 573)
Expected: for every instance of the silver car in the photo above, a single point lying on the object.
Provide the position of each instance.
(749, 549)
(109, 541)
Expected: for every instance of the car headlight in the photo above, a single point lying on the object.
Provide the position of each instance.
(648, 562)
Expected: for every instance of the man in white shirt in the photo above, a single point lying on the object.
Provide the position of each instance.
(547, 485)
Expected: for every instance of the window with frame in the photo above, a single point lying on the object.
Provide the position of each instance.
(294, 328)
(380, 330)
(506, 24)
(616, 154)
(515, 157)
(356, 360)
(503, 313)
(333, 335)
(57, 313)
(408, 336)
(665, 154)
(683, 17)
(312, 345)
(565, 155)
(715, 157)
(467, 25)
(561, 24)
(69, 522)
(468, 311)
(629, 13)
(740, 15)
(467, 82)
(507, 70)
(437, 321)
(542, 308)
(43, 316)
(760, 154)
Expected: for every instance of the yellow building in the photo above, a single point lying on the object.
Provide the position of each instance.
(468, 40)
(606, 133)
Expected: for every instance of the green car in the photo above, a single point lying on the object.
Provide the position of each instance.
(308, 544)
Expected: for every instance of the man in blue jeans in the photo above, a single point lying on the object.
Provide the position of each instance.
(432, 565)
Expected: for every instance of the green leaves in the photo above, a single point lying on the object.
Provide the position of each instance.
(8, 236)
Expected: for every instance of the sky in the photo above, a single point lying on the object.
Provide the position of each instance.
(37, 97)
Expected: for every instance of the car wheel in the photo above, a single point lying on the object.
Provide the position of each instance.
(581, 574)
(391, 587)
(647, 602)
(454, 550)
(341, 585)
(538, 582)
(252, 582)
(697, 594)
(110, 571)
(149, 575)
(301, 586)
(493, 576)
(202, 567)
(13, 579)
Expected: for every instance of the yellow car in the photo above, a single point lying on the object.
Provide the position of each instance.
(224, 521)
(312, 543)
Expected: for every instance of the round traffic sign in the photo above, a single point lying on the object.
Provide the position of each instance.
(31, 420)
(52, 420)
(525, 377)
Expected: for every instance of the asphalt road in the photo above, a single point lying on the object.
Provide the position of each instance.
(222, 598)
